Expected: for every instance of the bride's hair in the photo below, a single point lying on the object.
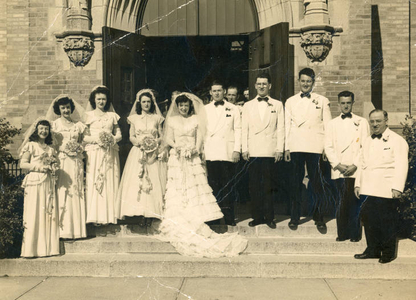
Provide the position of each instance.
(139, 105)
(34, 137)
(183, 99)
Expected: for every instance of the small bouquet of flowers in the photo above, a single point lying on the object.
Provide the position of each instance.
(73, 149)
(105, 140)
(186, 152)
(51, 162)
(149, 144)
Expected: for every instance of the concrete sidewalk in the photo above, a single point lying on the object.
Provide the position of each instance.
(65, 288)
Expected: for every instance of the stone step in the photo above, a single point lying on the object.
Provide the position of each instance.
(175, 265)
(262, 245)
(307, 228)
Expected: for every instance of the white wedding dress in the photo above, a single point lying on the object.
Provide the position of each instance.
(189, 201)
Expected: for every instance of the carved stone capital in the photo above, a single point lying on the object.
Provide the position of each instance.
(316, 45)
(79, 49)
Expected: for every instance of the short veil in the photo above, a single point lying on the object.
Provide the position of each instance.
(199, 112)
(76, 115)
(90, 108)
(141, 92)
(29, 132)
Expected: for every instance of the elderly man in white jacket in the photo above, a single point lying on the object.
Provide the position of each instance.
(381, 178)
(344, 137)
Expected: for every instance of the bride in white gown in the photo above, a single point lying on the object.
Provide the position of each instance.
(189, 201)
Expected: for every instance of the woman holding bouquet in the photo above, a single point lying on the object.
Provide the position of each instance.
(189, 201)
(103, 167)
(67, 133)
(40, 213)
(142, 185)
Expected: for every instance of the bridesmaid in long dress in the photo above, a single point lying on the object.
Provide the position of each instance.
(40, 213)
(189, 201)
(103, 166)
(143, 182)
(67, 132)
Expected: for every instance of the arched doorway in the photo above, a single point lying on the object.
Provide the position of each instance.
(185, 45)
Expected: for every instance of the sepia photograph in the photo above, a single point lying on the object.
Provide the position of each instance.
(207, 149)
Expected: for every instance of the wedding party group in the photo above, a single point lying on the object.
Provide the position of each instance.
(180, 173)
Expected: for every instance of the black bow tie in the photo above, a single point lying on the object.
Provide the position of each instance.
(263, 99)
(373, 136)
(221, 102)
(307, 95)
(348, 115)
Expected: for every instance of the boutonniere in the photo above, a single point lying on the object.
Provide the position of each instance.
(273, 111)
(227, 109)
(269, 104)
(385, 139)
(227, 115)
(357, 123)
(314, 101)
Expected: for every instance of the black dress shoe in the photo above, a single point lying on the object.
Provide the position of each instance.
(365, 256)
(321, 225)
(293, 225)
(230, 223)
(271, 224)
(354, 240)
(255, 223)
(385, 260)
(338, 239)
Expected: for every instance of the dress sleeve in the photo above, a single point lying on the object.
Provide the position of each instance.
(115, 117)
(89, 118)
(27, 148)
(81, 127)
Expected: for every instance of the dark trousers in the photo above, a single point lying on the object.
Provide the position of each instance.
(348, 210)
(241, 187)
(221, 178)
(260, 174)
(298, 160)
(380, 219)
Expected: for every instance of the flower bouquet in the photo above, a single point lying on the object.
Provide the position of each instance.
(73, 149)
(105, 140)
(53, 164)
(149, 144)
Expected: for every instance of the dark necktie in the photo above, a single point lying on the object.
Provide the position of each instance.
(307, 95)
(348, 115)
(373, 136)
(263, 99)
(221, 102)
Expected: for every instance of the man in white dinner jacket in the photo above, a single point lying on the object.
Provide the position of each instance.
(381, 179)
(262, 145)
(306, 115)
(222, 149)
(344, 137)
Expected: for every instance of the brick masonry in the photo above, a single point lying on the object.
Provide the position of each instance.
(34, 69)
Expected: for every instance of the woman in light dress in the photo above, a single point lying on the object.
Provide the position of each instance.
(142, 185)
(189, 201)
(68, 131)
(40, 213)
(103, 166)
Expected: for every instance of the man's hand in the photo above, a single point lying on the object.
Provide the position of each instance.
(287, 156)
(396, 194)
(357, 192)
(341, 167)
(324, 158)
(235, 156)
(350, 170)
(246, 156)
(278, 156)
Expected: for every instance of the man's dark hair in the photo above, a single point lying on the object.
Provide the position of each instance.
(346, 94)
(100, 90)
(63, 101)
(308, 72)
(264, 75)
(217, 82)
(139, 106)
(386, 115)
(232, 87)
(34, 137)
